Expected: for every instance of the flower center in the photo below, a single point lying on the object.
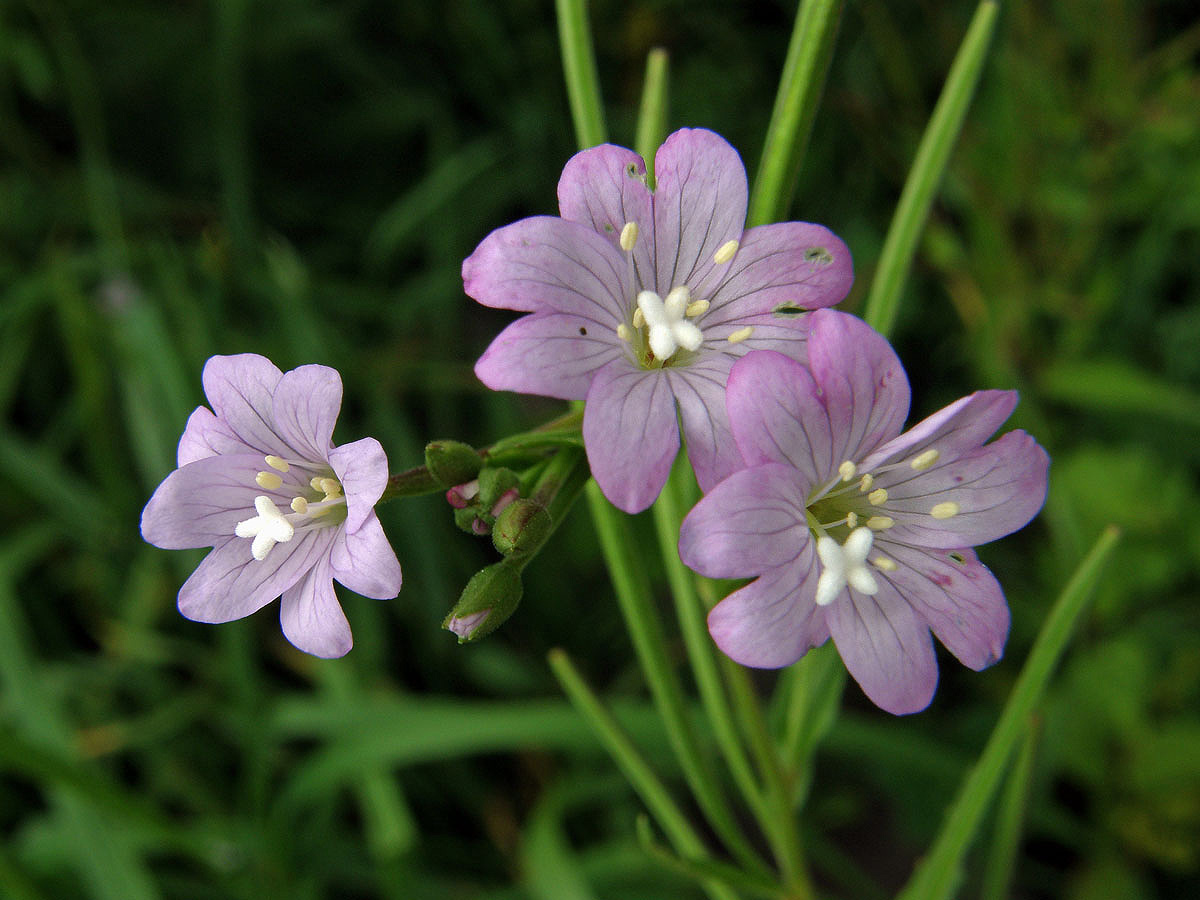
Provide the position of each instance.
(667, 327)
(322, 504)
(844, 565)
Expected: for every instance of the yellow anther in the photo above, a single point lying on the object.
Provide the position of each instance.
(944, 510)
(725, 252)
(629, 236)
(847, 470)
(867, 481)
(315, 482)
(925, 460)
(882, 562)
(331, 487)
(877, 497)
(268, 481)
(279, 465)
(623, 332)
(741, 334)
(638, 318)
(852, 520)
(300, 505)
(695, 308)
(880, 523)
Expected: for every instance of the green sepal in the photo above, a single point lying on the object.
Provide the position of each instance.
(495, 591)
(521, 527)
(465, 519)
(452, 462)
(494, 484)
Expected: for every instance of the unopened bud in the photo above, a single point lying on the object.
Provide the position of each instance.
(489, 598)
(451, 462)
(521, 527)
(466, 518)
(461, 495)
(494, 484)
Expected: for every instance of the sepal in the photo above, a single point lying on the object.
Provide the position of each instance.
(489, 598)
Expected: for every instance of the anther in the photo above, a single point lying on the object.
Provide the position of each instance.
(741, 334)
(639, 319)
(331, 487)
(877, 497)
(925, 460)
(268, 481)
(847, 470)
(880, 523)
(725, 252)
(882, 562)
(867, 481)
(852, 520)
(944, 510)
(279, 465)
(629, 236)
(299, 505)
(696, 308)
(315, 482)
(623, 332)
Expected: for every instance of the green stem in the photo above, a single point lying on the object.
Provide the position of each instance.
(1010, 816)
(579, 66)
(813, 692)
(938, 875)
(652, 113)
(800, 85)
(932, 156)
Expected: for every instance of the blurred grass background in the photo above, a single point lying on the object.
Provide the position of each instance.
(302, 180)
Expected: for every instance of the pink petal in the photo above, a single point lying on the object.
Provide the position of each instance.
(549, 264)
(364, 561)
(630, 433)
(205, 435)
(752, 522)
(306, 405)
(700, 392)
(362, 468)
(605, 188)
(311, 617)
(240, 390)
(200, 504)
(886, 647)
(699, 205)
(545, 354)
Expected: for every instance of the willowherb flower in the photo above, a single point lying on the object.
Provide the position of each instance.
(855, 530)
(285, 511)
(641, 300)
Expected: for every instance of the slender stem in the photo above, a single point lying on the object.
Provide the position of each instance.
(932, 156)
(579, 66)
(800, 86)
(938, 875)
(652, 113)
(1010, 817)
(813, 693)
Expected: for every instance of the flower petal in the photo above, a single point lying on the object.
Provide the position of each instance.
(201, 503)
(365, 562)
(774, 620)
(547, 354)
(630, 433)
(307, 401)
(777, 415)
(700, 392)
(205, 435)
(362, 468)
(699, 205)
(231, 584)
(752, 522)
(957, 596)
(604, 188)
(547, 263)
(787, 266)
(886, 647)
(311, 617)
(863, 385)
(240, 390)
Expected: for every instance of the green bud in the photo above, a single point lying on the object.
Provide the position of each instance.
(451, 462)
(489, 598)
(468, 520)
(521, 527)
(494, 484)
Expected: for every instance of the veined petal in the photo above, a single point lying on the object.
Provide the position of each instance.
(605, 188)
(200, 504)
(972, 499)
(699, 205)
(205, 435)
(700, 392)
(774, 620)
(546, 354)
(863, 386)
(311, 617)
(231, 584)
(630, 433)
(886, 647)
(362, 468)
(956, 595)
(364, 561)
(777, 415)
(240, 390)
(788, 265)
(306, 405)
(549, 264)
(752, 522)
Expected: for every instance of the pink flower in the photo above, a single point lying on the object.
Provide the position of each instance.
(640, 302)
(854, 530)
(285, 511)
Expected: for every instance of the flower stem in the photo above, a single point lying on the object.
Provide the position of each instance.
(800, 85)
(932, 156)
(812, 690)
(1010, 815)
(652, 113)
(938, 874)
(579, 66)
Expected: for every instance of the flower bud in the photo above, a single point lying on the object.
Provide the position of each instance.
(494, 484)
(451, 462)
(521, 527)
(489, 598)
(466, 518)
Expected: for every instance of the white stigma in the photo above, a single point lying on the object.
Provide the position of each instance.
(268, 528)
(669, 330)
(845, 565)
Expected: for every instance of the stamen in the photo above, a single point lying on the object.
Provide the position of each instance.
(725, 252)
(852, 520)
(331, 487)
(847, 470)
(267, 529)
(268, 481)
(629, 236)
(638, 319)
(623, 332)
(741, 334)
(279, 465)
(882, 562)
(299, 505)
(877, 497)
(696, 308)
(946, 510)
(867, 481)
(880, 523)
(315, 482)
(925, 460)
